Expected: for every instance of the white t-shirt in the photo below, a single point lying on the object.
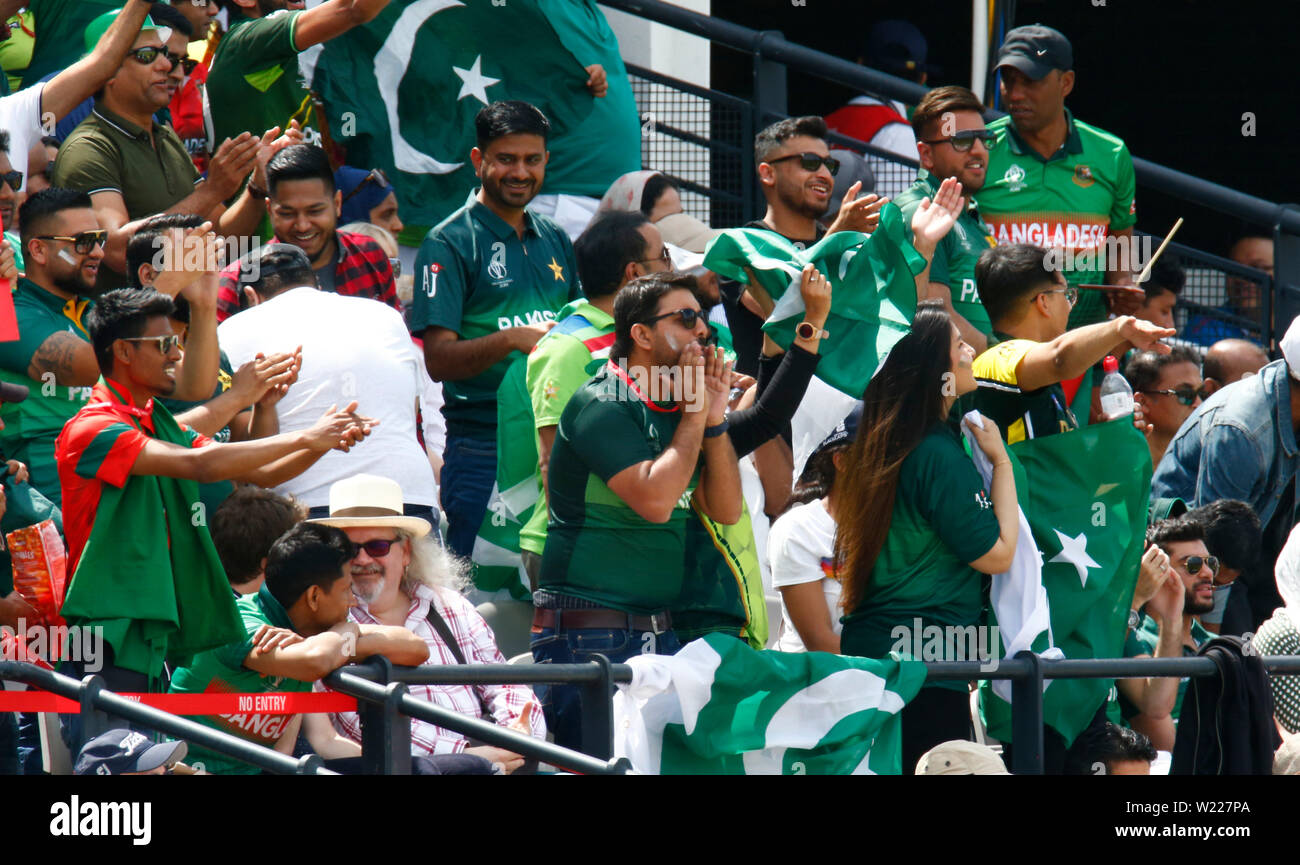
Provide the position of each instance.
(20, 116)
(801, 547)
(353, 348)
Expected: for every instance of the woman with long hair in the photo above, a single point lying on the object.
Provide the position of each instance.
(924, 529)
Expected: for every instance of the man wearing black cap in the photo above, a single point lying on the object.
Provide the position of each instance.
(126, 752)
(1054, 181)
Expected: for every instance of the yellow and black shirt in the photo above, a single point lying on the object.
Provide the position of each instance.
(1020, 414)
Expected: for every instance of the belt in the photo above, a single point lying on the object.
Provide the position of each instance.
(563, 620)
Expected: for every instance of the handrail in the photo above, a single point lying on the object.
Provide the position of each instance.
(771, 46)
(356, 682)
(92, 695)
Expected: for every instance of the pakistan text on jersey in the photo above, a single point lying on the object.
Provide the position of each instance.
(536, 316)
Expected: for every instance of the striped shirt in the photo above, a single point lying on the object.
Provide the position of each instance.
(478, 645)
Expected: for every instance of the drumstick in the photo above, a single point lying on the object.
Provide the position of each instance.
(1146, 271)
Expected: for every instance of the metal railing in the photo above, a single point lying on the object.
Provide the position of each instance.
(97, 703)
(728, 199)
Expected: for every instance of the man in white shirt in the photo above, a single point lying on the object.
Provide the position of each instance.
(349, 345)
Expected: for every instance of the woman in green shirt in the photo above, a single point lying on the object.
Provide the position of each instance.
(912, 563)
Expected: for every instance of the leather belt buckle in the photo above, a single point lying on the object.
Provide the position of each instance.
(656, 626)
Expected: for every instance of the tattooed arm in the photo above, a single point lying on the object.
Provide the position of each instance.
(68, 357)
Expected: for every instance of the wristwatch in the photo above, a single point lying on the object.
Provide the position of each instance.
(1134, 619)
(807, 330)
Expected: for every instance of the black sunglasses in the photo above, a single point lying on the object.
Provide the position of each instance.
(14, 179)
(1194, 564)
(83, 243)
(1185, 395)
(811, 162)
(687, 315)
(376, 549)
(148, 54)
(963, 141)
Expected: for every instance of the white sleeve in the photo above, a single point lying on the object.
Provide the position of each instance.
(896, 138)
(20, 116)
(791, 550)
(434, 424)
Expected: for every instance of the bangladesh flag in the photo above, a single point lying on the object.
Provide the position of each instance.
(1085, 494)
(496, 560)
(719, 707)
(873, 285)
(401, 92)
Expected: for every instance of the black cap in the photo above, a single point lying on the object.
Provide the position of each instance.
(896, 47)
(270, 259)
(1036, 50)
(118, 752)
(845, 432)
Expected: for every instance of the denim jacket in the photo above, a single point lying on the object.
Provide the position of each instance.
(1238, 444)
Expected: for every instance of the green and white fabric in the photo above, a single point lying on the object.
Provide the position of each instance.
(720, 707)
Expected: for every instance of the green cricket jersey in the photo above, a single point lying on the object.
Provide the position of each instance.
(942, 520)
(60, 33)
(597, 547)
(954, 259)
(1072, 200)
(254, 82)
(1143, 640)
(1019, 414)
(475, 276)
(222, 671)
(557, 367)
(32, 426)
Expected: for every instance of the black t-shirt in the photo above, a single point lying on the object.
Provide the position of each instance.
(746, 327)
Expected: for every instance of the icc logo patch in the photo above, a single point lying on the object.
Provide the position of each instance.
(1014, 178)
(1083, 176)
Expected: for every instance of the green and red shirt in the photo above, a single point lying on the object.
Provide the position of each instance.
(1070, 201)
(99, 446)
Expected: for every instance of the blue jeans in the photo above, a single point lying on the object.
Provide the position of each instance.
(469, 470)
(563, 703)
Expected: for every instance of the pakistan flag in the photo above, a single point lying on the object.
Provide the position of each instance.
(401, 92)
(873, 290)
(1085, 495)
(719, 707)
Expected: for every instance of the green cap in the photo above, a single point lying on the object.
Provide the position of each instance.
(99, 26)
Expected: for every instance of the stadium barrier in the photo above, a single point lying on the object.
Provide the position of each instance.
(386, 708)
(703, 138)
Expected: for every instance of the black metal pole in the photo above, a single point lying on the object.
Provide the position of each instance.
(1027, 718)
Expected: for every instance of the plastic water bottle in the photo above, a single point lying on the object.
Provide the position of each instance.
(1116, 394)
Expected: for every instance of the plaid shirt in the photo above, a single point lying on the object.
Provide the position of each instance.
(506, 702)
(363, 271)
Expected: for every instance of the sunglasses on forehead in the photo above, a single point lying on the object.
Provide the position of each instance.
(376, 177)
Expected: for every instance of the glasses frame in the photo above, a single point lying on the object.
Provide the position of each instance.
(685, 312)
(1178, 395)
(1210, 561)
(1071, 294)
(165, 344)
(376, 176)
(666, 257)
(154, 50)
(387, 545)
(967, 136)
(83, 242)
(14, 179)
(810, 161)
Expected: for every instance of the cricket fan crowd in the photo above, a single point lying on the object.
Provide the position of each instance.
(885, 424)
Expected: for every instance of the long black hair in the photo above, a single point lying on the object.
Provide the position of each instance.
(901, 404)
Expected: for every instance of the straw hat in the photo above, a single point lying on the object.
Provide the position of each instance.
(369, 500)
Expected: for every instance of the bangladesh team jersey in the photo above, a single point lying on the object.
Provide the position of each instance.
(1018, 413)
(254, 80)
(557, 367)
(954, 259)
(597, 547)
(1072, 201)
(942, 520)
(31, 426)
(222, 671)
(475, 276)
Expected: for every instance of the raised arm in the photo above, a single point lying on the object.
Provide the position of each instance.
(88, 75)
(1076, 351)
(719, 494)
(333, 18)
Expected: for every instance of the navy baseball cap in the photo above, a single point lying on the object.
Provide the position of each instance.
(119, 752)
(844, 432)
(897, 47)
(1036, 50)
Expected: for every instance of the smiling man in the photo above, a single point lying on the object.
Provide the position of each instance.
(489, 281)
(304, 207)
(952, 142)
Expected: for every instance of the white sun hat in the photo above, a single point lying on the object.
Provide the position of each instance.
(369, 500)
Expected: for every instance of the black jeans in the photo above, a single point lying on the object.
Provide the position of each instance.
(934, 716)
